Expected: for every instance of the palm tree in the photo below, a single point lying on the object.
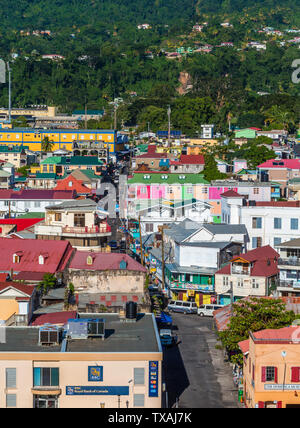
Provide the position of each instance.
(278, 116)
(49, 281)
(47, 145)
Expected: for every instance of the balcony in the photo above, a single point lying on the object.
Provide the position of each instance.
(292, 285)
(86, 230)
(291, 261)
(240, 270)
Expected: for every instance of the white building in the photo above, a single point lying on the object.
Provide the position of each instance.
(268, 223)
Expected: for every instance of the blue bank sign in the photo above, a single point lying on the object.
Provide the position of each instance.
(153, 378)
(95, 373)
(97, 390)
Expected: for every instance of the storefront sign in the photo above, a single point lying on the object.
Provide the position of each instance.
(153, 378)
(95, 373)
(191, 287)
(280, 387)
(97, 390)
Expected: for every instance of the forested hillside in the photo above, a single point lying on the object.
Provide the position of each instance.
(105, 55)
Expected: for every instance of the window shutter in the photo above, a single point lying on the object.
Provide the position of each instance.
(11, 400)
(275, 374)
(138, 400)
(139, 376)
(295, 374)
(263, 374)
(11, 378)
(261, 405)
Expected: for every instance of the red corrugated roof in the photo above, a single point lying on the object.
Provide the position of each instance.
(244, 346)
(104, 261)
(26, 289)
(231, 194)
(263, 260)
(287, 163)
(190, 160)
(58, 253)
(60, 318)
(77, 185)
(286, 333)
(43, 194)
(21, 223)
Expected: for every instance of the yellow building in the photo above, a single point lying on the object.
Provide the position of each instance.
(272, 368)
(61, 138)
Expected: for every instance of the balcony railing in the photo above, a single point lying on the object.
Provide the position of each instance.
(102, 228)
(289, 284)
(291, 261)
(239, 270)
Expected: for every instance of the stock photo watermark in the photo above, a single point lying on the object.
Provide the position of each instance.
(296, 73)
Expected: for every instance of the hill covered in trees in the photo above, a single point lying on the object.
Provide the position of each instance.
(105, 56)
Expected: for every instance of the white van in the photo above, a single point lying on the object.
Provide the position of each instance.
(182, 306)
(207, 310)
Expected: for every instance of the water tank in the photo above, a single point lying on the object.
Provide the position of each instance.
(131, 310)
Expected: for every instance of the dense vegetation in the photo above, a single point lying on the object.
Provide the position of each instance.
(106, 56)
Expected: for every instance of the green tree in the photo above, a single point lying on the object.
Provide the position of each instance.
(48, 282)
(210, 170)
(253, 315)
(47, 145)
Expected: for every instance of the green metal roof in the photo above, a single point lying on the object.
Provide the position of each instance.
(74, 160)
(51, 160)
(32, 215)
(15, 149)
(44, 175)
(148, 178)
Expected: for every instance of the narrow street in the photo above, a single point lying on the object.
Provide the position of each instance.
(195, 372)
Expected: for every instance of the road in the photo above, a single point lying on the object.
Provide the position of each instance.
(194, 370)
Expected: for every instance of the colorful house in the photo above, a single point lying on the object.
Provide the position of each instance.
(61, 138)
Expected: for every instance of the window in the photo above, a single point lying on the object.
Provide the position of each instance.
(187, 277)
(294, 224)
(254, 283)
(240, 283)
(57, 217)
(11, 400)
(149, 227)
(205, 190)
(269, 374)
(277, 223)
(256, 242)
(43, 376)
(139, 376)
(37, 204)
(277, 241)
(11, 378)
(189, 190)
(256, 222)
(295, 374)
(256, 190)
(138, 400)
(44, 169)
(225, 281)
(79, 220)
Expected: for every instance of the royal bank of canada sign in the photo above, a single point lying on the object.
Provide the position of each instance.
(281, 387)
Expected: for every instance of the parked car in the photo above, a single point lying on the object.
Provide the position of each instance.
(208, 310)
(182, 306)
(166, 337)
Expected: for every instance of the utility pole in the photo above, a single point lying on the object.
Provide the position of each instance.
(169, 124)
(141, 242)
(9, 92)
(115, 115)
(85, 116)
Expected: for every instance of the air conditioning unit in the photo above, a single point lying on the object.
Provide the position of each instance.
(49, 335)
(96, 327)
